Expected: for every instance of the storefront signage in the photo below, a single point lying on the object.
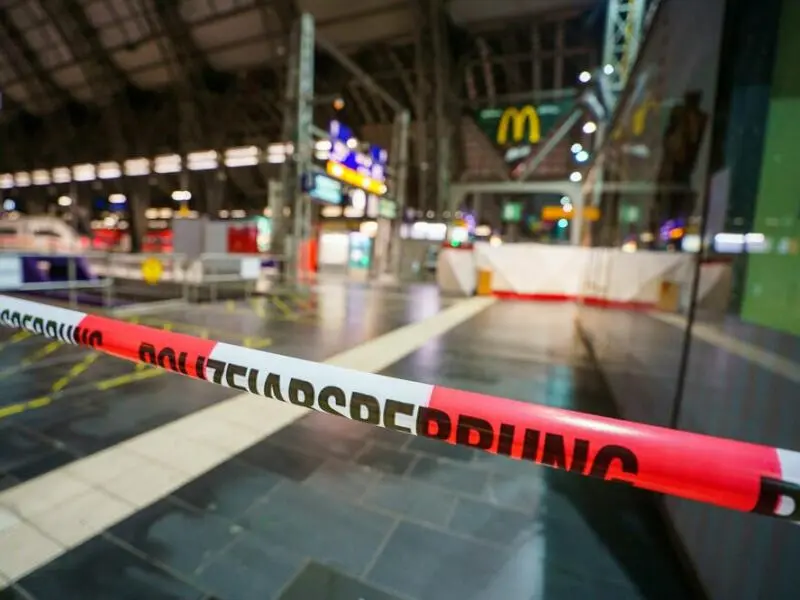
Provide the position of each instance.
(365, 170)
(323, 188)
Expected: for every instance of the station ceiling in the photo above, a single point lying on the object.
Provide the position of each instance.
(138, 66)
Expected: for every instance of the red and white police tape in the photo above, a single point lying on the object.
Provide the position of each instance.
(728, 473)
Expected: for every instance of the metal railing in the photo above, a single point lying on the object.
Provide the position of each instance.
(208, 276)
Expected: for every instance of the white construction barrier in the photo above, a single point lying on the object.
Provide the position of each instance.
(605, 276)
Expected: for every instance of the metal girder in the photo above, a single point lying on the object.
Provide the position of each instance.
(434, 93)
(71, 23)
(20, 54)
(184, 61)
(365, 80)
(286, 10)
(363, 107)
(623, 35)
(510, 47)
(488, 75)
(401, 72)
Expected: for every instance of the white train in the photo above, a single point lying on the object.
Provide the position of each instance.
(39, 234)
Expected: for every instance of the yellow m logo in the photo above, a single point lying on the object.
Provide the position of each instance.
(515, 119)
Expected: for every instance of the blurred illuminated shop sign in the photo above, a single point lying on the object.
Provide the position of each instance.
(364, 170)
(516, 128)
(556, 213)
(387, 209)
(323, 188)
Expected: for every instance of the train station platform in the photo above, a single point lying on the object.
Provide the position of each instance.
(122, 481)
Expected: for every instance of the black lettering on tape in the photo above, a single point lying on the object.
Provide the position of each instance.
(147, 353)
(474, 432)
(218, 366)
(200, 367)
(607, 455)
(232, 372)
(530, 445)
(252, 381)
(332, 394)
(365, 408)
(167, 359)
(546, 448)
(433, 423)
(505, 439)
(272, 387)
(778, 498)
(50, 329)
(554, 453)
(390, 412)
(301, 392)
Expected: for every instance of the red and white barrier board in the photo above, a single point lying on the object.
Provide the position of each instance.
(728, 473)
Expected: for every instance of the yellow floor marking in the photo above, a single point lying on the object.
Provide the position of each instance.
(288, 313)
(76, 370)
(17, 337)
(41, 353)
(128, 378)
(139, 375)
(258, 306)
(257, 342)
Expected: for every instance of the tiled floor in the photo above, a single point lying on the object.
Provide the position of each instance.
(331, 509)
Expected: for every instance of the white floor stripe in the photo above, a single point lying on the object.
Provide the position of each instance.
(45, 517)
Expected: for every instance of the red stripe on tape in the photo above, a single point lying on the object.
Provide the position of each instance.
(173, 351)
(718, 471)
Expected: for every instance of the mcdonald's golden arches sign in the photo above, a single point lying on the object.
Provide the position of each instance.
(522, 124)
(519, 126)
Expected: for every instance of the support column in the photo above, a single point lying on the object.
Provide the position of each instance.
(433, 89)
(400, 145)
(297, 122)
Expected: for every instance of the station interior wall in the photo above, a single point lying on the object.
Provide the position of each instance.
(772, 290)
(721, 373)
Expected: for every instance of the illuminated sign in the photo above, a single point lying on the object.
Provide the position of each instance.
(387, 209)
(555, 213)
(354, 178)
(514, 120)
(366, 170)
(322, 188)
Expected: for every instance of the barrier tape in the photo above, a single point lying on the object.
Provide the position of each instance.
(728, 473)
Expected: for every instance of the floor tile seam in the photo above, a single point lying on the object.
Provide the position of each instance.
(306, 562)
(236, 538)
(363, 575)
(154, 562)
(364, 500)
(261, 501)
(393, 515)
(437, 528)
(461, 493)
